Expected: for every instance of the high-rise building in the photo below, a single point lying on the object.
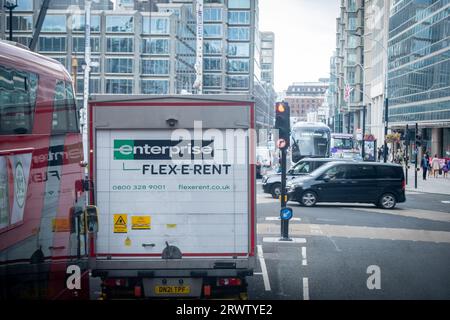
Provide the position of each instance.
(149, 47)
(418, 71)
(349, 71)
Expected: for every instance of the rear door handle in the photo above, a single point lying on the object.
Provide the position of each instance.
(56, 248)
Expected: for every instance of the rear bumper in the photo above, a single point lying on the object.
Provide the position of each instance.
(154, 268)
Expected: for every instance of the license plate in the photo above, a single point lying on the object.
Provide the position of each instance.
(172, 289)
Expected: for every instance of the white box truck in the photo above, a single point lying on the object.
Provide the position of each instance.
(174, 184)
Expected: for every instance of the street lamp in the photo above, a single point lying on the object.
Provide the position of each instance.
(10, 5)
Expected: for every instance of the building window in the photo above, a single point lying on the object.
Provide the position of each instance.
(239, 49)
(238, 82)
(212, 64)
(155, 67)
(52, 44)
(212, 30)
(78, 44)
(158, 25)
(78, 24)
(238, 17)
(212, 46)
(119, 24)
(239, 33)
(239, 4)
(119, 45)
(212, 80)
(20, 23)
(119, 65)
(212, 14)
(155, 86)
(54, 24)
(119, 86)
(155, 46)
(238, 65)
(24, 5)
(94, 85)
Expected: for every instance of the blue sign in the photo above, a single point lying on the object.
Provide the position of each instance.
(286, 213)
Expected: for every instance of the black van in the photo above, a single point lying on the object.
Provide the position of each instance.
(378, 183)
(271, 183)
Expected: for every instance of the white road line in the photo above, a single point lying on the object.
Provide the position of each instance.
(262, 262)
(445, 201)
(278, 240)
(304, 261)
(257, 273)
(305, 289)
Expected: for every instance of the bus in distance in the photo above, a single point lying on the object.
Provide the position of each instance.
(310, 139)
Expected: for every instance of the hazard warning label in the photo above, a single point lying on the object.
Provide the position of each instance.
(120, 223)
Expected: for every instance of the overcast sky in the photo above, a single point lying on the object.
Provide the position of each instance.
(305, 37)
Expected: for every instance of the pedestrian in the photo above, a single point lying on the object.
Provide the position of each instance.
(445, 168)
(435, 165)
(424, 165)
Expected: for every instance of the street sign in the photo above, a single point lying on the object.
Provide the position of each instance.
(286, 213)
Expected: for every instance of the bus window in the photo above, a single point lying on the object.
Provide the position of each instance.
(18, 92)
(64, 111)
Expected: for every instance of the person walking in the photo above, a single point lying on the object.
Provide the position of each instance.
(446, 168)
(424, 165)
(435, 165)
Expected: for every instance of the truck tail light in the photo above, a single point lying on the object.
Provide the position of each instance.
(207, 290)
(137, 291)
(115, 282)
(222, 282)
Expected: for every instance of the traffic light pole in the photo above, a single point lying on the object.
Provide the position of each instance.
(406, 152)
(284, 223)
(416, 151)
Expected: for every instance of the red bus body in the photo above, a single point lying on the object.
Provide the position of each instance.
(40, 178)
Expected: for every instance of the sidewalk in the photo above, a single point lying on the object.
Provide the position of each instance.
(438, 185)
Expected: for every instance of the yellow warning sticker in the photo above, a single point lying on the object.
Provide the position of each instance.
(128, 242)
(120, 223)
(171, 226)
(141, 222)
(61, 225)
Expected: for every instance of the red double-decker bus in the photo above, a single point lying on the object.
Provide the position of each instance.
(42, 203)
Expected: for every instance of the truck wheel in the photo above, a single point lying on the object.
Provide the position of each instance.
(276, 190)
(387, 201)
(309, 199)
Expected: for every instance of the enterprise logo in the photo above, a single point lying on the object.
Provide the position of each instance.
(163, 149)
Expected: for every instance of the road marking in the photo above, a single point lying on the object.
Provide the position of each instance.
(305, 289)
(304, 261)
(335, 245)
(326, 220)
(445, 201)
(262, 262)
(410, 213)
(327, 230)
(278, 219)
(257, 273)
(278, 240)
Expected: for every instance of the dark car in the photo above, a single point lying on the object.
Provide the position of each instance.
(378, 183)
(271, 183)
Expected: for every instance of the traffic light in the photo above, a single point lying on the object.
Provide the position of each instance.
(283, 123)
(418, 139)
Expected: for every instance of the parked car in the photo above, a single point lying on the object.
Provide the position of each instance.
(337, 181)
(271, 183)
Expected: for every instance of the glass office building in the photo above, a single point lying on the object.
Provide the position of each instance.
(149, 47)
(419, 70)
